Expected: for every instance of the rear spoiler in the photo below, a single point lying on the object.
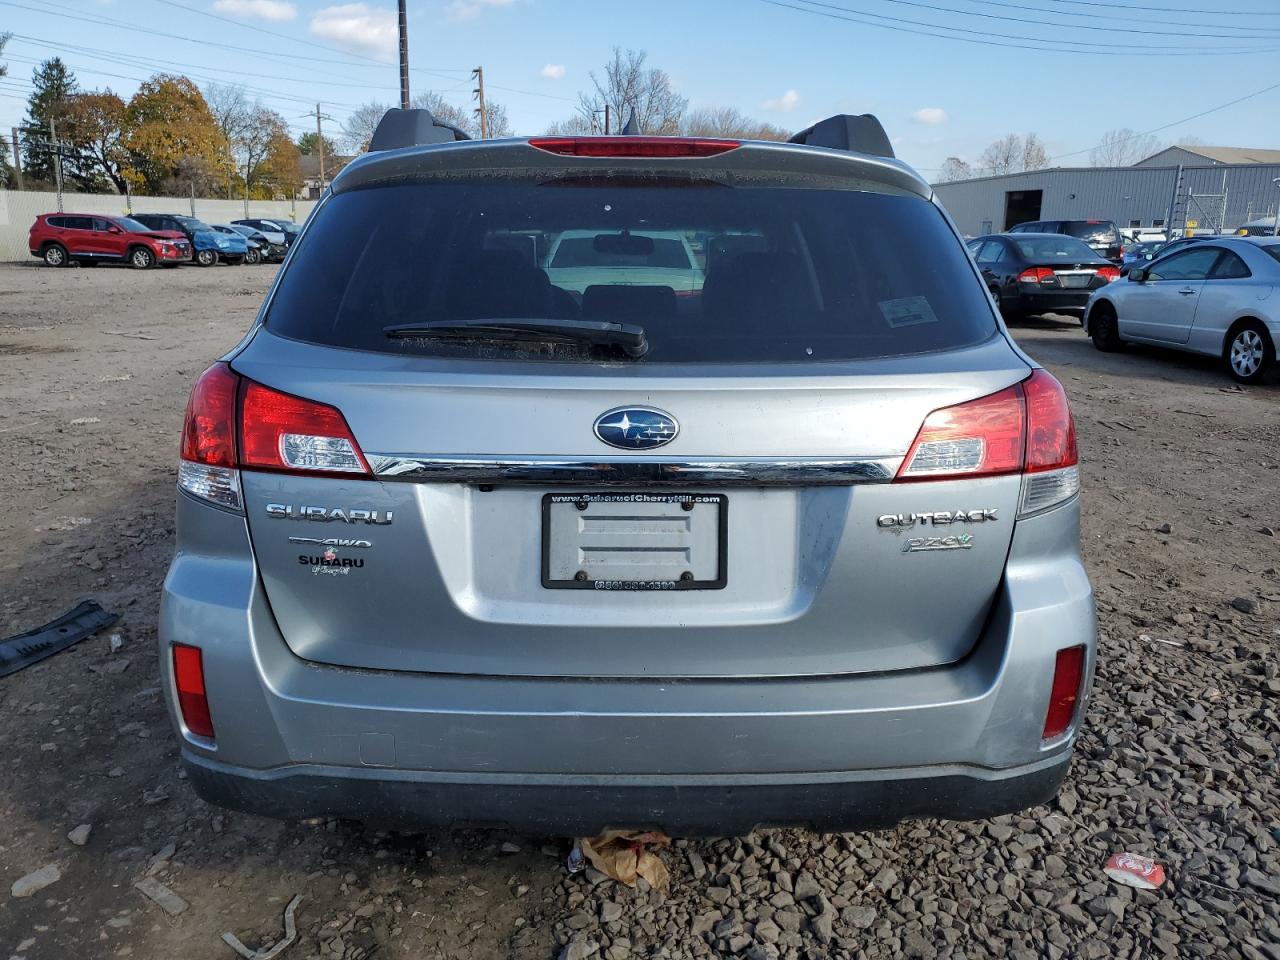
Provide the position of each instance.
(859, 134)
(412, 128)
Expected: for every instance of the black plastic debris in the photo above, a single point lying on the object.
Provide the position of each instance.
(22, 650)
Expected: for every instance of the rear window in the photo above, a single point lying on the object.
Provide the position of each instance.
(712, 272)
(1092, 231)
(1057, 247)
(1272, 251)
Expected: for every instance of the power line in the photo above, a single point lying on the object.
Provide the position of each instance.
(1151, 9)
(984, 36)
(1148, 31)
(1094, 15)
(1174, 123)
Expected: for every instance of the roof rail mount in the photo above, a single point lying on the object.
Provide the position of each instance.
(412, 128)
(861, 134)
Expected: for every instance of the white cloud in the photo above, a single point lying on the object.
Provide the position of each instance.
(359, 28)
(553, 71)
(276, 11)
(930, 115)
(785, 103)
(470, 9)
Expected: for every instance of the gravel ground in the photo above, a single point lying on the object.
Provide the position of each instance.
(1177, 760)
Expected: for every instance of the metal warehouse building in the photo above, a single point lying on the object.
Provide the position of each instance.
(1210, 197)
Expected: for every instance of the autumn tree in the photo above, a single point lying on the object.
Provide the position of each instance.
(55, 84)
(280, 173)
(953, 169)
(263, 129)
(728, 122)
(95, 125)
(173, 140)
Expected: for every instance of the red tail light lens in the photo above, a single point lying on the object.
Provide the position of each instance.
(188, 677)
(659, 147)
(209, 430)
(1035, 275)
(1051, 431)
(279, 431)
(1110, 273)
(980, 438)
(1068, 672)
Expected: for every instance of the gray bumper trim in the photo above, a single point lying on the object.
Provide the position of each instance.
(585, 806)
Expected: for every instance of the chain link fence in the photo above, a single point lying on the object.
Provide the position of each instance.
(19, 209)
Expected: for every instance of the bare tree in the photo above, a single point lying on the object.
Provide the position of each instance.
(358, 130)
(1002, 156)
(953, 169)
(1123, 147)
(633, 90)
(728, 122)
(468, 121)
(1034, 155)
(571, 127)
(231, 111)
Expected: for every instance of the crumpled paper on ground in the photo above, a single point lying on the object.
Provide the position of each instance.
(627, 854)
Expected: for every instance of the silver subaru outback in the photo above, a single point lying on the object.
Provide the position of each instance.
(570, 483)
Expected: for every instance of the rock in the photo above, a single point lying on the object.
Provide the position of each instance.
(860, 915)
(781, 899)
(703, 923)
(80, 835)
(162, 896)
(696, 864)
(726, 928)
(1245, 605)
(115, 772)
(1054, 866)
(610, 912)
(1260, 881)
(1267, 531)
(718, 894)
(579, 949)
(767, 931)
(806, 887)
(762, 951)
(153, 797)
(508, 847)
(821, 925)
(35, 881)
(1164, 528)
(885, 880)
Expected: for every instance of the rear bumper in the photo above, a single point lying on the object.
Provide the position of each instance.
(586, 806)
(714, 755)
(1049, 301)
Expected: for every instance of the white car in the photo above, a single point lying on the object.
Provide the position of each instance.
(1220, 298)
(579, 259)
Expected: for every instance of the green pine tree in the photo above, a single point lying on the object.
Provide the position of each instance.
(54, 85)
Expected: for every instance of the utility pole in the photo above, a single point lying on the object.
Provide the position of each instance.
(606, 119)
(404, 58)
(57, 160)
(320, 142)
(17, 157)
(478, 74)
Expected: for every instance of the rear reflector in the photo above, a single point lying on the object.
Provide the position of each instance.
(279, 431)
(660, 147)
(188, 677)
(1068, 671)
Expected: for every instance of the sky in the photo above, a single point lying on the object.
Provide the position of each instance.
(945, 77)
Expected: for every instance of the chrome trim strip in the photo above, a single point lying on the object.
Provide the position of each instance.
(545, 471)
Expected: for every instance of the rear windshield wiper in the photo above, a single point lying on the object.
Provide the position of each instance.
(628, 336)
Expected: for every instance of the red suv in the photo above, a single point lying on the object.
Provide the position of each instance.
(60, 238)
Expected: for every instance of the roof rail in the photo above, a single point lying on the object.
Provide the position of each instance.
(861, 134)
(412, 128)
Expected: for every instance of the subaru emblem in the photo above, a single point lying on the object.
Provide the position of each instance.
(636, 428)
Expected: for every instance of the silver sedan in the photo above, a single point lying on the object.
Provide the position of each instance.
(1220, 298)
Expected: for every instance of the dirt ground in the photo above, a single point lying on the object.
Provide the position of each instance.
(1178, 759)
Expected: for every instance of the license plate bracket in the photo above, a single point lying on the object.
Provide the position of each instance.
(614, 541)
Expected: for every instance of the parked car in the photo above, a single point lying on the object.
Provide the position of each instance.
(1102, 235)
(209, 245)
(279, 230)
(272, 251)
(452, 548)
(1030, 273)
(1215, 297)
(581, 259)
(60, 239)
(1139, 253)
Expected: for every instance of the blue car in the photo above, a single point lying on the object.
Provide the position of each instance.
(209, 245)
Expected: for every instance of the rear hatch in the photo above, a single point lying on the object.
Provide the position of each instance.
(540, 504)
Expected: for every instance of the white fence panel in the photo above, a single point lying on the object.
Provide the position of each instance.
(19, 209)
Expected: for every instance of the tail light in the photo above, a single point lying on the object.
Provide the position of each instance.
(652, 147)
(188, 678)
(1068, 672)
(1110, 273)
(1026, 428)
(1036, 275)
(233, 424)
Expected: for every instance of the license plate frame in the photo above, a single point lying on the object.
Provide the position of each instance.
(703, 500)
